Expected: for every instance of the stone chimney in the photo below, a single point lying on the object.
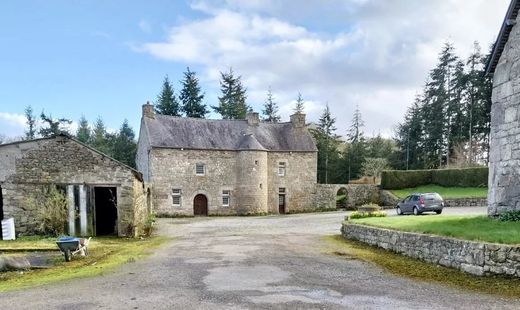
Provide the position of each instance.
(298, 120)
(252, 118)
(148, 110)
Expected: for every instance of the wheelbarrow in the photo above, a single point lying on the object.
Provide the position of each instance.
(71, 246)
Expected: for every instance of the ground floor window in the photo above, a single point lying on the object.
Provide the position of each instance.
(226, 198)
(176, 196)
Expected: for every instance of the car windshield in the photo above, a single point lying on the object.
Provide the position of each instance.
(433, 196)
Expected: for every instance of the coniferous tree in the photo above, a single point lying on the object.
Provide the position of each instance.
(299, 106)
(167, 103)
(31, 123)
(355, 132)
(83, 132)
(53, 126)
(99, 138)
(232, 103)
(124, 147)
(191, 96)
(270, 110)
(327, 144)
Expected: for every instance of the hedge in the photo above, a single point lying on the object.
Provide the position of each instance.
(468, 177)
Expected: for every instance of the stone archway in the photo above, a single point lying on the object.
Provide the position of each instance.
(341, 197)
(200, 205)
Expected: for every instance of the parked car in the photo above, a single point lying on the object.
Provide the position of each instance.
(419, 203)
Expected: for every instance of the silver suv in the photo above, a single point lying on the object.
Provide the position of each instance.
(419, 203)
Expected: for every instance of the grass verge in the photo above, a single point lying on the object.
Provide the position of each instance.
(105, 254)
(445, 192)
(419, 270)
(477, 228)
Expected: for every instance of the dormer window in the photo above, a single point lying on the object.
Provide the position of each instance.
(200, 169)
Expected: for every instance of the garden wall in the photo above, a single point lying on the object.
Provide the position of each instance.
(469, 256)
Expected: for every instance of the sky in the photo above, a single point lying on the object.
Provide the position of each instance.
(106, 58)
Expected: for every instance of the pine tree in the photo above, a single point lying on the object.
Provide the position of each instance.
(124, 147)
(299, 106)
(53, 126)
(167, 103)
(232, 103)
(83, 132)
(191, 96)
(327, 144)
(355, 132)
(31, 123)
(99, 139)
(270, 110)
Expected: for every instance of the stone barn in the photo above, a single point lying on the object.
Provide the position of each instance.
(228, 167)
(504, 157)
(105, 197)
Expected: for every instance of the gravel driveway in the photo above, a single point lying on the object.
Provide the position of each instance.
(273, 262)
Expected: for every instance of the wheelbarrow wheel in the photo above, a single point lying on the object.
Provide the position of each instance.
(68, 255)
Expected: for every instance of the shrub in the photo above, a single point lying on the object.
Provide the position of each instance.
(469, 177)
(510, 216)
(149, 224)
(49, 207)
(360, 215)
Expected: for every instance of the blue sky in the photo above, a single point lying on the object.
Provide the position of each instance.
(107, 58)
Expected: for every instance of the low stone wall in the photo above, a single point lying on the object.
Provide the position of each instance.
(357, 195)
(471, 257)
(466, 202)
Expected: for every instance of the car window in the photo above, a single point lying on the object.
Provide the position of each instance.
(415, 198)
(407, 198)
(433, 196)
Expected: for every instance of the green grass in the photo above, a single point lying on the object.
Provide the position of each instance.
(478, 228)
(418, 270)
(28, 243)
(445, 192)
(105, 254)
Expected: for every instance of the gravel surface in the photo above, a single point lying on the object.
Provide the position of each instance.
(273, 262)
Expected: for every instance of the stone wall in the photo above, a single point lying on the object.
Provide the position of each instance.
(466, 202)
(504, 155)
(472, 257)
(357, 195)
(250, 176)
(63, 161)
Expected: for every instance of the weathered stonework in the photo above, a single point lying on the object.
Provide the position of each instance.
(357, 195)
(504, 156)
(472, 257)
(28, 165)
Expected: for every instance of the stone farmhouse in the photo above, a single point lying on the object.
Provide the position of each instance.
(227, 167)
(105, 197)
(504, 157)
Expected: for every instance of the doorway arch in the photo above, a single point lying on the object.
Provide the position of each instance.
(341, 198)
(200, 205)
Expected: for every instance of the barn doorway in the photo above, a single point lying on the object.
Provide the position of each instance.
(105, 202)
(341, 198)
(200, 205)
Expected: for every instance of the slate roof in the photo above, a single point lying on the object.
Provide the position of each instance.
(503, 36)
(204, 134)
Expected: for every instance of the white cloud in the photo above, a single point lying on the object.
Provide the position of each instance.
(371, 53)
(12, 124)
(145, 26)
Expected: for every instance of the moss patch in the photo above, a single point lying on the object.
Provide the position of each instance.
(419, 270)
(105, 254)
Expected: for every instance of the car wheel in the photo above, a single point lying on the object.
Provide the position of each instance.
(416, 211)
(399, 211)
(438, 212)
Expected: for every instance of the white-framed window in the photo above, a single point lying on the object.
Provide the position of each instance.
(200, 169)
(281, 190)
(176, 197)
(226, 198)
(281, 168)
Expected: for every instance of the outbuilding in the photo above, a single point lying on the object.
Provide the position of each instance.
(105, 196)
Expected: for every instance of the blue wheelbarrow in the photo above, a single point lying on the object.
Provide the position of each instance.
(71, 246)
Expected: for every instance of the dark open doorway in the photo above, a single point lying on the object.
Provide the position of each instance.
(200, 205)
(105, 200)
(281, 203)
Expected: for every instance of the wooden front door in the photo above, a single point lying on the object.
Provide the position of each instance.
(200, 205)
(281, 204)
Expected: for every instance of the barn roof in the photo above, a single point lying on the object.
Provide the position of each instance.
(503, 36)
(205, 134)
